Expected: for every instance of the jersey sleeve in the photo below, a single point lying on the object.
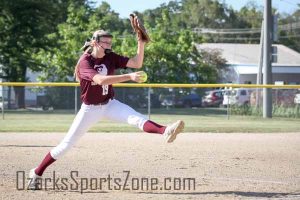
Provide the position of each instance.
(120, 61)
(86, 71)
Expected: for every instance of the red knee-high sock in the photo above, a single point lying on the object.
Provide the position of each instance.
(48, 160)
(152, 127)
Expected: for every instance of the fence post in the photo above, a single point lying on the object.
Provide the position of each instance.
(3, 102)
(75, 100)
(229, 93)
(149, 102)
(228, 104)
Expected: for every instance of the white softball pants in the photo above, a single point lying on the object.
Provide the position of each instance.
(88, 115)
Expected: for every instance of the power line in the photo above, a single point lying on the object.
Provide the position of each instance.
(290, 36)
(224, 31)
(290, 26)
(229, 29)
(291, 3)
(240, 38)
(284, 27)
(254, 38)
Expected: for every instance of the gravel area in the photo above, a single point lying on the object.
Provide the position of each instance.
(142, 166)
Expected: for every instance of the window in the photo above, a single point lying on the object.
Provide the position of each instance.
(243, 92)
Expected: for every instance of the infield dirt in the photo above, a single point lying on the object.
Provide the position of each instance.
(224, 166)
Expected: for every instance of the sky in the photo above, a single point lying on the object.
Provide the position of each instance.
(125, 7)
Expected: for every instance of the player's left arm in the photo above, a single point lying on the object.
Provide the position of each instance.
(137, 61)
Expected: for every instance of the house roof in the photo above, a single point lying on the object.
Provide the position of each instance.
(250, 53)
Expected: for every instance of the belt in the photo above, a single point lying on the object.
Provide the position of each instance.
(103, 103)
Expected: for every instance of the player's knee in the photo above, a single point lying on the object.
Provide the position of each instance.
(137, 121)
(61, 149)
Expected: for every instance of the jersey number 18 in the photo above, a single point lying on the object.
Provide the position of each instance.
(104, 89)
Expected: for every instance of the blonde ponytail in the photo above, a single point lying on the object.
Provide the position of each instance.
(76, 72)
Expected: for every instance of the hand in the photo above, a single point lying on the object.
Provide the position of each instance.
(137, 76)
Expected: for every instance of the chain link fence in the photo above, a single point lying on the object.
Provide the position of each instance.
(216, 101)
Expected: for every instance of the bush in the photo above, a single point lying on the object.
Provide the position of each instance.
(241, 110)
(277, 111)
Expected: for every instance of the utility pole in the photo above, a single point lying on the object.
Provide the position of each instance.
(260, 64)
(267, 76)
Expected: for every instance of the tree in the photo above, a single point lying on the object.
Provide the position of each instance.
(250, 15)
(58, 63)
(207, 13)
(290, 36)
(172, 57)
(23, 26)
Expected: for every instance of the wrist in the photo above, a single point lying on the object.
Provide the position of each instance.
(141, 42)
(129, 76)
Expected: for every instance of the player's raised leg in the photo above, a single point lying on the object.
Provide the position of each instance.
(121, 112)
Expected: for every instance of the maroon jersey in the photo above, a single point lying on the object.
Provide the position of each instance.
(91, 93)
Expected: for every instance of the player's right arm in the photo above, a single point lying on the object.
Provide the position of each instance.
(88, 73)
(111, 79)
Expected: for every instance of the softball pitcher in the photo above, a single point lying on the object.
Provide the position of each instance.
(95, 72)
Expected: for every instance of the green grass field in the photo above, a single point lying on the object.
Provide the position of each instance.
(197, 120)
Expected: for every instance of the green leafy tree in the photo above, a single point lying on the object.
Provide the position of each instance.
(172, 57)
(290, 36)
(58, 63)
(250, 15)
(207, 13)
(23, 26)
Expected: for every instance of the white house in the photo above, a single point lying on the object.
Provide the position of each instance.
(243, 60)
(32, 93)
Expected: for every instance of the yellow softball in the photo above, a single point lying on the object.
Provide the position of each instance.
(144, 77)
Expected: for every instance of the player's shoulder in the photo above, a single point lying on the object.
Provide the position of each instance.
(112, 55)
(117, 58)
(86, 56)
